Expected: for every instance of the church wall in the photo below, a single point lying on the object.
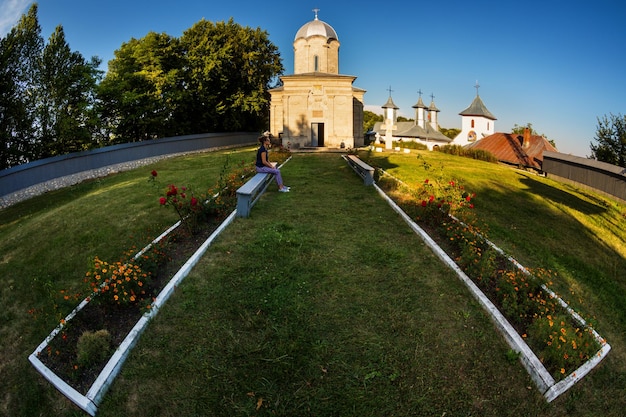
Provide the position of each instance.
(482, 127)
(327, 53)
(327, 100)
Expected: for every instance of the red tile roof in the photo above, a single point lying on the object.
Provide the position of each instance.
(525, 150)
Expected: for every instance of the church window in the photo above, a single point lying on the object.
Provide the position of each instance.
(472, 123)
(316, 61)
(487, 125)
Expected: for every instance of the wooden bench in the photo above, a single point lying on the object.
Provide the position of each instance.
(249, 193)
(364, 170)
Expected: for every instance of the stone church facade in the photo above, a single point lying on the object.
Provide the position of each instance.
(317, 106)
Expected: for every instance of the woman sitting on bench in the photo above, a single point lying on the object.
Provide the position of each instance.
(263, 165)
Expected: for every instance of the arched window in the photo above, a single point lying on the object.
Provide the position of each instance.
(487, 125)
(472, 123)
(316, 63)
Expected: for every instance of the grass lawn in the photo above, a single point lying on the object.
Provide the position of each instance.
(322, 303)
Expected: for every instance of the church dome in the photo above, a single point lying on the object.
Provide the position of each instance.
(316, 28)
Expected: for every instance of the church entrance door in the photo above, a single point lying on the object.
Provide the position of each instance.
(317, 134)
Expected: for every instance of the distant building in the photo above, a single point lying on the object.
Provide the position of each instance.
(424, 129)
(317, 106)
(476, 122)
(519, 150)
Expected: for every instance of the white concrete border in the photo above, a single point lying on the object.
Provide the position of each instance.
(98, 389)
(546, 384)
(90, 402)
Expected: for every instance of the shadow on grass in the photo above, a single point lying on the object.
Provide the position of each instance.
(561, 197)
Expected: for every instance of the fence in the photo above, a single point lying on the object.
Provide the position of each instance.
(607, 178)
(45, 170)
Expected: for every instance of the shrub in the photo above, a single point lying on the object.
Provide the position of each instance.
(93, 347)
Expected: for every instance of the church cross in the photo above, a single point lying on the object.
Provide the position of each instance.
(316, 11)
(477, 86)
(432, 97)
(390, 90)
(419, 92)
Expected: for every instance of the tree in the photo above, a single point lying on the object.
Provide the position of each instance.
(19, 54)
(519, 130)
(611, 140)
(65, 110)
(228, 71)
(47, 95)
(142, 90)
(370, 119)
(451, 133)
(214, 78)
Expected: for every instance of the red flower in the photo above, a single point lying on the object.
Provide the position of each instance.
(468, 198)
(172, 190)
(424, 203)
(431, 198)
(426, 181)
(194, 201)
(162, 201)
(154, 173)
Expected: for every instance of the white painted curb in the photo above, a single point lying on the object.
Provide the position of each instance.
(90, 402)
(98, 389)
(539, 374)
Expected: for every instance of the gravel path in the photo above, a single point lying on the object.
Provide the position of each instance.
(68, 180)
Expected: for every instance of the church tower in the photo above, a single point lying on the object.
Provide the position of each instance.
(317, 106)
(476, 122)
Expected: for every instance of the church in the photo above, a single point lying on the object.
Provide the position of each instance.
(423, 129)
(317, 106)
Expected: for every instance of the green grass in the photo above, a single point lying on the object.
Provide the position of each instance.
(322, 302)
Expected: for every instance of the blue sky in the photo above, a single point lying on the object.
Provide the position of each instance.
(558, 64)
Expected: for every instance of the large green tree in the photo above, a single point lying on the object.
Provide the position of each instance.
(142, 90)
(212, 79)
(47, 95)
(610, 140)
(228, 71)
(19, 54)
(65, 109)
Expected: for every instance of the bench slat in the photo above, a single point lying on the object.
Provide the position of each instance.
(364, 170)
(248, 193)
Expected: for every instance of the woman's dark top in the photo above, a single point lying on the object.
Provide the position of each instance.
(259, 161)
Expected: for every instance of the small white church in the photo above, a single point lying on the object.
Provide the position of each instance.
(476, 122)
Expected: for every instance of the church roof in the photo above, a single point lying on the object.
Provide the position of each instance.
(432, 107)
(478, 108)
(512, 148)
(410, 129)
(390, 104)
(420, 104)
(316, 28)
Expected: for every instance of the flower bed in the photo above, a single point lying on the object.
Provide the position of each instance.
(84, 353)
(555, 343)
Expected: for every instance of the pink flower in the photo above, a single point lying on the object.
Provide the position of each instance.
(162, 201)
